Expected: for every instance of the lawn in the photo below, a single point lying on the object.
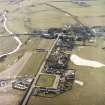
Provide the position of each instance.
(45, 80)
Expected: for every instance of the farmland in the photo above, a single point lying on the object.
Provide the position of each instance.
(26, 16)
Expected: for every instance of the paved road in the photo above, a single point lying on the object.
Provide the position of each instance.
(42, 66)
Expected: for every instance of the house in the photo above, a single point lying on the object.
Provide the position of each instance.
(69, 75)
(20, 84)
(57, 61)
(66, 41)
(98, 30)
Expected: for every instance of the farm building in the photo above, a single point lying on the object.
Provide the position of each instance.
(20, 84)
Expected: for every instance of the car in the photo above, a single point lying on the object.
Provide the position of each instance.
(40, 50)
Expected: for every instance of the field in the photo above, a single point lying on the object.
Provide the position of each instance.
(33, 64)
(45, 80)
(31, 45)
(92, 92)
(8, 44)
(92, 15)
(26, 16)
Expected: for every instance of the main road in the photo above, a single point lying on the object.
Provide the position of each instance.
(28, 93)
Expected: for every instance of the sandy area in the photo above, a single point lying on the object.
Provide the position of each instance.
(83, 62)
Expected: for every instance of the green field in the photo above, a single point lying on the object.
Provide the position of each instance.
(45, 80)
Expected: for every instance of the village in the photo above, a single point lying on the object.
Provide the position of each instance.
(52, 52)
(57, 77)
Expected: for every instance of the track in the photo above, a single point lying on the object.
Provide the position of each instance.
(15, 37)
(68, 13)
(50, 5)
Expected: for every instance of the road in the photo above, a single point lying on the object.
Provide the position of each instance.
(15, 37)
(68, 13)
(49, 52)
(25, 100)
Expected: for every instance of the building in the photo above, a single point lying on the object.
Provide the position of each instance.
(20, 84)
(69, 75)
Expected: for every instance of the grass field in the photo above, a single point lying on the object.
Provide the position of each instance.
(45, 80)
(93, 15)
(32, 66)
(7, 44)
(96, 9)
(37, 17)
